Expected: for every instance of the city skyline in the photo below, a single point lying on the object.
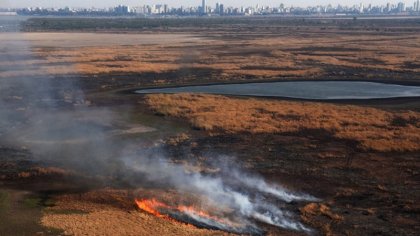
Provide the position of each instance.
(189, 3)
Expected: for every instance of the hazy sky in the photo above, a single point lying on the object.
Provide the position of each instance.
(108, 3)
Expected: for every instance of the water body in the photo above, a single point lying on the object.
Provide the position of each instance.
(319, 90)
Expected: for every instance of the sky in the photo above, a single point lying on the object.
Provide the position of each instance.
(109, 3)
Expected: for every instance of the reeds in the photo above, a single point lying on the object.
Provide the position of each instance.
(373, 129)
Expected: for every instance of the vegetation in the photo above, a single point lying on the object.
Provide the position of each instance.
(145, 59)
(372, 128)
(4, 200)
(234, 23)
(309, 146)
(32, 202)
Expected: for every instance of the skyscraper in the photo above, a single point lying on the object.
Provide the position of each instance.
(401, 7)
(222, 9)
(204, 7)
(388, 7)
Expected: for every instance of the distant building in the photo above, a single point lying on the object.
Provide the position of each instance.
(417, 6)
(401, 7)
(7, 13)
(388, 7)
(361, 8)
(248, 11)
(204, 7)
(220, 10)
(122, 9)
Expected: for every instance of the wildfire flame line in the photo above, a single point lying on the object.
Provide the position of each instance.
(152, 206)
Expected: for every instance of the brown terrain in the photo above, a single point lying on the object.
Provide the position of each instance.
(359, 157)
(371, 128)
(359, 154)
(152, 58)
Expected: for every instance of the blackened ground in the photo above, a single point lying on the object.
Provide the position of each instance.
(372, 193)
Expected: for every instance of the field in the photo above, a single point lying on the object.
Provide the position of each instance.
(354, 150)
(66, 173)
(227, 51)
(372, 129)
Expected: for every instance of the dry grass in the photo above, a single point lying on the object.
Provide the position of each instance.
(269, 57)
(110, 212)
(372, 128)
(314, 213)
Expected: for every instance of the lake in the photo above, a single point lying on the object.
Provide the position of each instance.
(319, 90)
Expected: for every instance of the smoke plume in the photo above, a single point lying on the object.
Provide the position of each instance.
(250, 198)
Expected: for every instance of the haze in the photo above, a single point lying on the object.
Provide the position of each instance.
(109, 3)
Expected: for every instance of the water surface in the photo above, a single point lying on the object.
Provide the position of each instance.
(320, 90)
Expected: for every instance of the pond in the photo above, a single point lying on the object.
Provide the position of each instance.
(318, 90)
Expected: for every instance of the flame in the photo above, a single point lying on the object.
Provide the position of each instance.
(153, 206)
(150, 206)
(202, 214)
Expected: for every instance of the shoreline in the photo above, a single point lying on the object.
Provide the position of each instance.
(413, 82)
(344, 100)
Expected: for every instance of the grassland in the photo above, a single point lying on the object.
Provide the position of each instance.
(78, 214)
(373, 128)
(227, 50)
(361, 161)
(263, 58)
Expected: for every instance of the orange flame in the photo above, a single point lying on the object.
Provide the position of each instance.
(152, 206)
(197, 213)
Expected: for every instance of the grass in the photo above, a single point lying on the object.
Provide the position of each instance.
(270, 57)
(32, 202)
(65, 211)
(373, 129)
(4, 201)
(20, 214)
(288, 56)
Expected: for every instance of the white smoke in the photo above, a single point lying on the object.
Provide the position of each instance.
(249, 209)
(262, 186)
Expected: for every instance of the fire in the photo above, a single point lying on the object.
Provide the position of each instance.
(156, 207)
(202, 214)
(150, 206)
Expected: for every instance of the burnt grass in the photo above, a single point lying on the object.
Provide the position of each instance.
(20, 211)
(20, 170)
(373, 192)
(149, 79)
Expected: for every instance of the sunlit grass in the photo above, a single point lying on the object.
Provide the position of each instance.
(372, 128)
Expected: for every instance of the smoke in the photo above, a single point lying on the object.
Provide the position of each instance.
(249, 197)
(50, 117)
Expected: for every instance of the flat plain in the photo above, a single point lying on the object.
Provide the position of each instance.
(359, 157)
